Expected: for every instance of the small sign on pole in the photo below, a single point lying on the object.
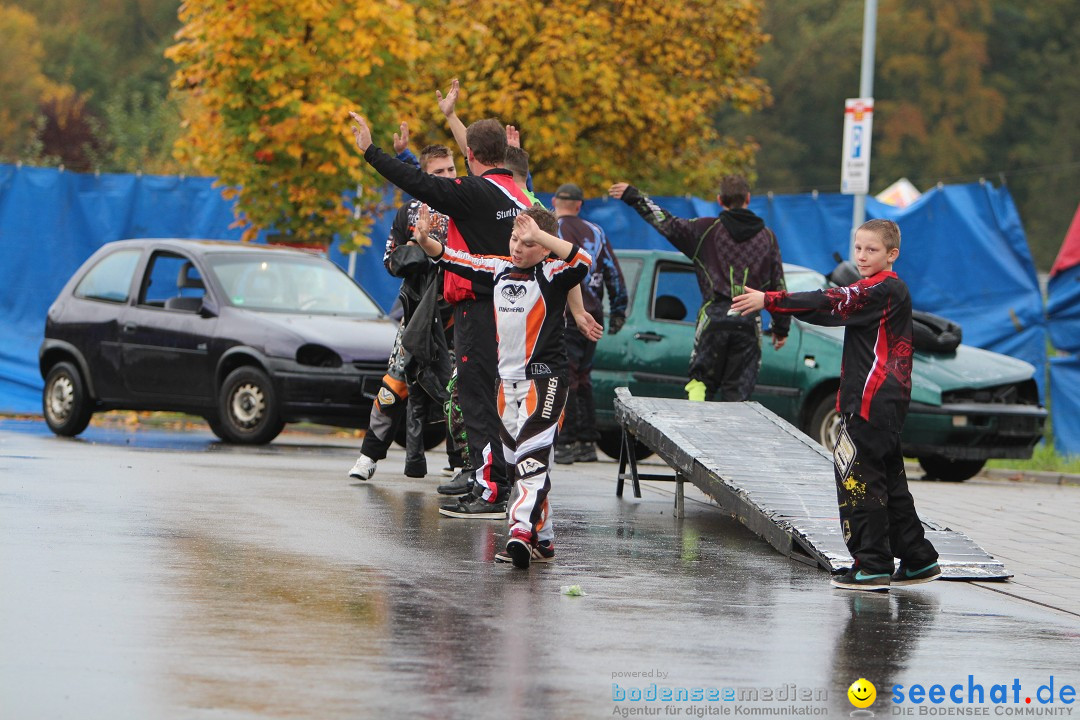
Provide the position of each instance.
(855, 168)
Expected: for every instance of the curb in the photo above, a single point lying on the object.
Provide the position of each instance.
(1042, 477)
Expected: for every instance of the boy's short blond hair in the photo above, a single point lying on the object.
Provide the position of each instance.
(887, 230)
(545, 219)
(517, 161)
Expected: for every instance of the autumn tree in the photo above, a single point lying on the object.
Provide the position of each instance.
(601, 91)
(269, 84)
(23, 85)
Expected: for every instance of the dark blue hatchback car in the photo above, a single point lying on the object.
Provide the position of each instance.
(248, 336)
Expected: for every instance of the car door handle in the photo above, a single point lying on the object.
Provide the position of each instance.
(648, 336)
(130, 327)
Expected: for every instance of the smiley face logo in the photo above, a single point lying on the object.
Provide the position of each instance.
(862, 693)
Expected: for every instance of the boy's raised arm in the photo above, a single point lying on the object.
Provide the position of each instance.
(526, 229)
(421, 233)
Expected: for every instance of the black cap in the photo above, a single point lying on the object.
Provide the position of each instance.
(569, 191)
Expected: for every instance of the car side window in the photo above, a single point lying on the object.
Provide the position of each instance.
(676, 297)
(110, 278)
(172, 282)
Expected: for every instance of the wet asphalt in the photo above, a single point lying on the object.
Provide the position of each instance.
(153, 574)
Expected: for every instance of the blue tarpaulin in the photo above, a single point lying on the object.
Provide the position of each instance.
(964, 254)
(1065, 403)
(1063, 313)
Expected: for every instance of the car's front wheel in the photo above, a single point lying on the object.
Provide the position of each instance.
(66, 403)
(825, 421)
(247, 408)
(434, 435)
(943, 468)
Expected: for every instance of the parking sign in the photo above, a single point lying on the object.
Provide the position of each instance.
(855, 167)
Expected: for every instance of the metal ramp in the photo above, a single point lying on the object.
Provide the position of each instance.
(772, 477)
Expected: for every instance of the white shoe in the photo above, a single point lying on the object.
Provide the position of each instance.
(363, 469)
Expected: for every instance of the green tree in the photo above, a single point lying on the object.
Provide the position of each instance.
(1034, 53)
(934, 109)
(811, 63)
(139, 128)
(111, 61)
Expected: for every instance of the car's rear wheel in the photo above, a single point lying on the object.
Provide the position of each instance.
(825, 421)
(943, 468)
(66, 403)
(248, 412)
(611, 440)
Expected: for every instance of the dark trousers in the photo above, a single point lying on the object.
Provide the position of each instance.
(726, 359)
(400, 401)
(877, 512)
(477, 368)
(580, 422)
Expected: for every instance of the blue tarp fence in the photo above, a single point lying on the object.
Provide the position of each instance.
(1065, 403)
(964, 253)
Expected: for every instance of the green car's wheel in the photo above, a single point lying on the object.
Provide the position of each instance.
(609, 443)
(824, 425)
(943, 468)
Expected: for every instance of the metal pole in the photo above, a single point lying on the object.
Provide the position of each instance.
(866, 90)
(356, 216)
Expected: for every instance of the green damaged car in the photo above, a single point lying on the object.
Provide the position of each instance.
(967, 405)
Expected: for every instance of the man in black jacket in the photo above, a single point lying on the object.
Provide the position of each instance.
(401, 397)
(481, 208)
(730, 252)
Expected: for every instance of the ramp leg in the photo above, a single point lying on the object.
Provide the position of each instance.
(679, 496)
(627, 453)
(622, 463)
(631, 452)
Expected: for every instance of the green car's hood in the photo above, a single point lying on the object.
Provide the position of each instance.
(968, 367)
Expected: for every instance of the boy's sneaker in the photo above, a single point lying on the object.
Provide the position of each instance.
(520, 552)
(475, 507)
(906, 576)
(449, 471)
(460, 485)
(363, 469)
(542, 552)
(586, 452)
(861, 580)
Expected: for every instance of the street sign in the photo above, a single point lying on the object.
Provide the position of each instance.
(855, 167)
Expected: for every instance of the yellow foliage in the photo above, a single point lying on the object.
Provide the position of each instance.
(23, 85)
(601, 92)
(269, 83)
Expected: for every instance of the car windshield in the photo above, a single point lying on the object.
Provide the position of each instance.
(803, 280)
(287, 283)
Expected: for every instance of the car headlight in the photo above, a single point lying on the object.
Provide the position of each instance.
(318, 356)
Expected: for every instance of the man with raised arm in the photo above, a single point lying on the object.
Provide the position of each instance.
(481, 208)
